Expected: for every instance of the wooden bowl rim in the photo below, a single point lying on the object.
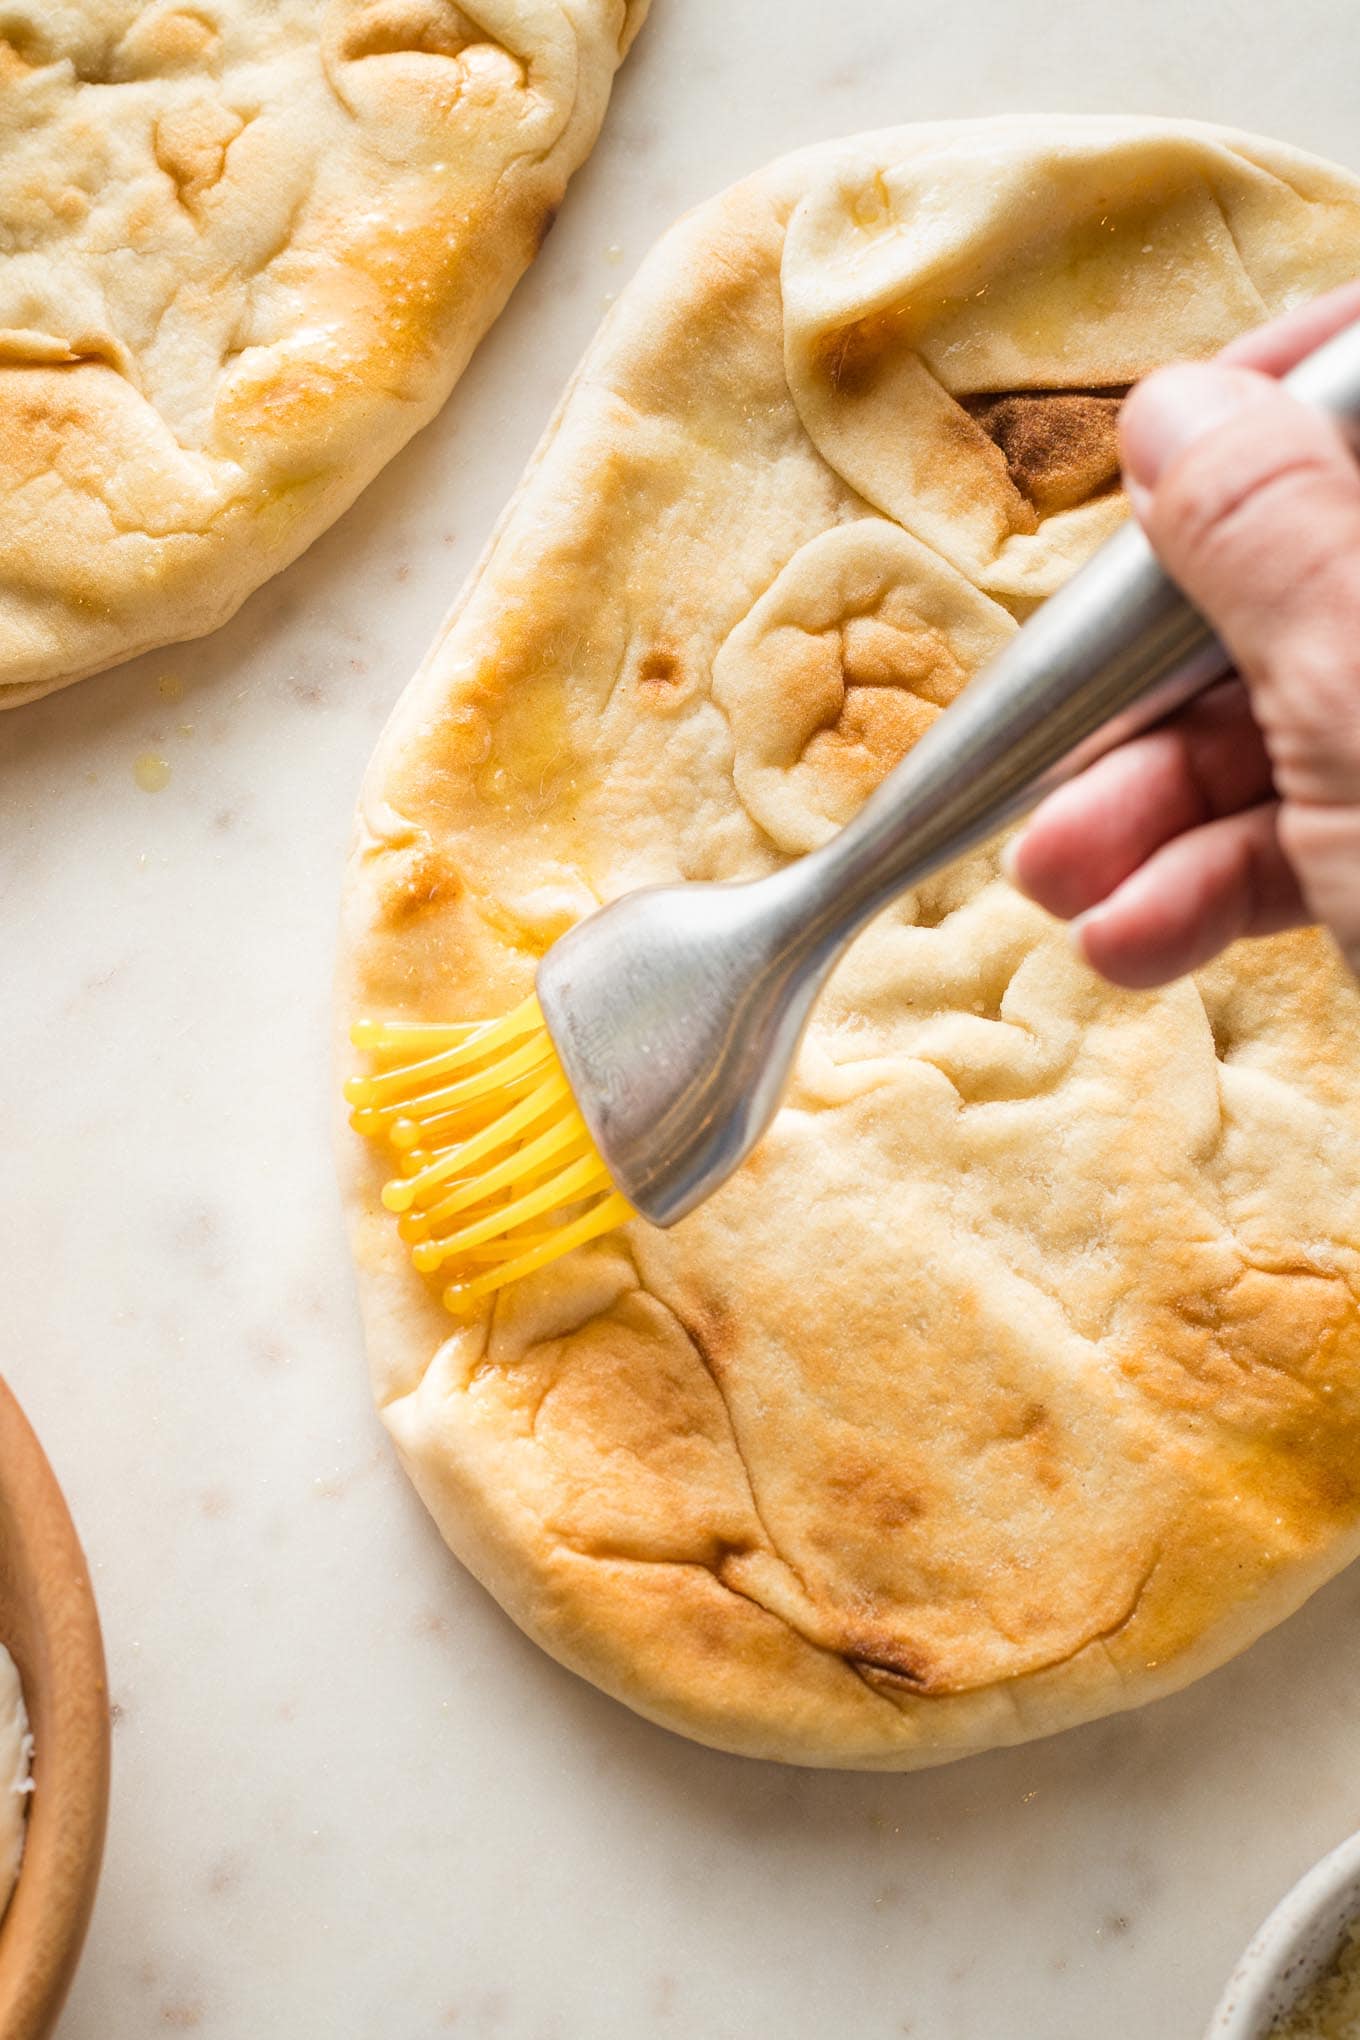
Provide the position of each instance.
(49, 1603)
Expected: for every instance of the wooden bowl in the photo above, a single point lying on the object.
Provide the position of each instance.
(49, 1625)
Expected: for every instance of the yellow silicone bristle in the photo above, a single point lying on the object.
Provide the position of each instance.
(383, 1087)
(611, 1210)
(426, 1172)
(578, 1179)
(407, 1037)
(498, 1175)
(565, 1140)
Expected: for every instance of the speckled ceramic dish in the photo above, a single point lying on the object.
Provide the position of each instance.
(49, 1624)
(1289, 1953)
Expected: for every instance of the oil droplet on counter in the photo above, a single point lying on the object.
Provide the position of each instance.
(170, 687)
(151, 772)
(614, 252)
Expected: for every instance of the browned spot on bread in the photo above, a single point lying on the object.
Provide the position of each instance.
(1025, 1422)
(387, 27)
(714, 1336)
(872, 1493)
(14, 66)
(891, 649)
(896, 675)
(166, 42)
(1060, 446)
(191, 145)
(31, 46)
(1335, 1489)
(423, 880)
(884, 1657)
(547, 220)
(876, 728)
(853, 355)
(659, 668)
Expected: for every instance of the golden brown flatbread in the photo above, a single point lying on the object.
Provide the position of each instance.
(248, 247)
(1016, 1377)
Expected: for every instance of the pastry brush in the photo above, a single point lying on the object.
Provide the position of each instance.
(658, 1041)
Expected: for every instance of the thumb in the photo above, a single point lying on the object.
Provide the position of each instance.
(1252, 502)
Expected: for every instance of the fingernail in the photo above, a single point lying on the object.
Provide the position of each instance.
(1009, 861)
(1178, 405)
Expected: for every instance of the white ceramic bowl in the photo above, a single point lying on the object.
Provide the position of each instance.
(1293, 1948)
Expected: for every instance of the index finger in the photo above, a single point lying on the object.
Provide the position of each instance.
(1274, 349)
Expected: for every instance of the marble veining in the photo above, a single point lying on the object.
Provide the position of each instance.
(350, 1801)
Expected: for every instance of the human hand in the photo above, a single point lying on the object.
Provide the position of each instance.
(1240, 815)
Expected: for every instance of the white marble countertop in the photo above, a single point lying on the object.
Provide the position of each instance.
(350, 1801)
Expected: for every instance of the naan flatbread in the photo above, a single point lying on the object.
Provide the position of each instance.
(1016, 1376)
(246, 249)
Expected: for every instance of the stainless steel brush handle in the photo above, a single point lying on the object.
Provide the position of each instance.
(677, 1011)
(1110, 654)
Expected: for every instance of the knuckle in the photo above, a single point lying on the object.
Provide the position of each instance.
(1229, 465)
(1230, 495)
(1321, 844)
(1313, 711)
(1261, 523)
